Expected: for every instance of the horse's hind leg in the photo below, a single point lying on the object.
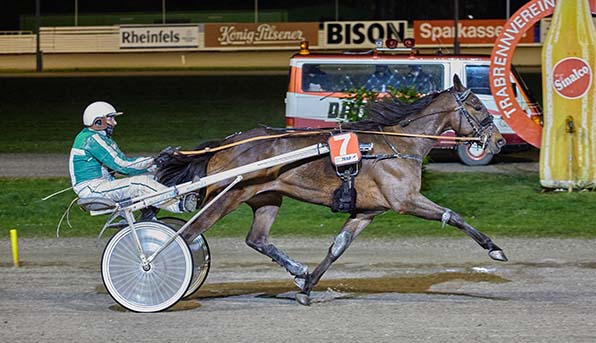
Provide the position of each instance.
(265, 207)
(422, 207)
(346, 236)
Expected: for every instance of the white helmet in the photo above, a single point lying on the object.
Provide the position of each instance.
(96, 110)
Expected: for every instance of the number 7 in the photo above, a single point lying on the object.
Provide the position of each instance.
(345, 138)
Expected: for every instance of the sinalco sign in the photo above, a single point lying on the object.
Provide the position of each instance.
(572, 77)
(362, 34)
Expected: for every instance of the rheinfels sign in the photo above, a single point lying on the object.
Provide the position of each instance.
(261, 35)
(441, 32)
(159, 36)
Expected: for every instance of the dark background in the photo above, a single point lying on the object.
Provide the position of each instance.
(305, 10)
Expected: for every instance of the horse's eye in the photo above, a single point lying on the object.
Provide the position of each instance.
(478, 107)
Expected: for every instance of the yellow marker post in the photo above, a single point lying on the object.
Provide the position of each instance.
(15, 247)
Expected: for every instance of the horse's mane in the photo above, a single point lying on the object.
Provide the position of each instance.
(389, 111)
(178, 168)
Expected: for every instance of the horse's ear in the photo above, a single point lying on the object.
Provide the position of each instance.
(457, 84)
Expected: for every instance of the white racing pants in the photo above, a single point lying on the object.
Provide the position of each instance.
(125, 188)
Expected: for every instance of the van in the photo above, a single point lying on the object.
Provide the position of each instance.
(320, 84)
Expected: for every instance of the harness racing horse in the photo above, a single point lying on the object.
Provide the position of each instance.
(391, 181)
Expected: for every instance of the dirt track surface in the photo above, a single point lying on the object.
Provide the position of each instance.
(444, 291)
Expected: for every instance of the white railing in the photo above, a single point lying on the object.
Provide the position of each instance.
(91, 39)
(16, 44)
(63, 39)
(79, 39)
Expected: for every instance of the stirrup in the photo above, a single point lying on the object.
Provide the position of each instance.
(149, 214)
(92, 204)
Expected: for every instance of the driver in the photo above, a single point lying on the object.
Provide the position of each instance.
(95, 157)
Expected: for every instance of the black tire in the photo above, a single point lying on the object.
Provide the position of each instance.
(472, 155)
(200, 253)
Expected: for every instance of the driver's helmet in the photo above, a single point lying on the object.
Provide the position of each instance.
(98, 110)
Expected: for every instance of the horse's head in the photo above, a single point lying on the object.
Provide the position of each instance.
(472, 119)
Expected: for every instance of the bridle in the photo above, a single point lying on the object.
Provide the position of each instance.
(480, 128)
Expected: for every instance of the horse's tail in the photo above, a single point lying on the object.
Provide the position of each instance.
(175, 168)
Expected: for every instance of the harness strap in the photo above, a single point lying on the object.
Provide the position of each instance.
(396, 153)
(252, 139)
(381, 157)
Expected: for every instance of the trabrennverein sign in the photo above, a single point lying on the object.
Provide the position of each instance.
(159, 36)
(442, 32)
(260, 35)
(362, 34)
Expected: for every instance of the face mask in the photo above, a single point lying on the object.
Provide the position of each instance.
(109, 130)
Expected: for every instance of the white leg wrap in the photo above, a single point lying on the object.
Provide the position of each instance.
(445, 217)
(340, 244)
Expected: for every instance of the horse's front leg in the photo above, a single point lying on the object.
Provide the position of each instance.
(346, 236)
(265, 207)
(420, 206)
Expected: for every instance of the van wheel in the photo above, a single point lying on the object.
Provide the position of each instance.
(473, 154)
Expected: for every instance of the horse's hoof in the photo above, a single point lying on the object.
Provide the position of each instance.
(303, 299)
(498, 255)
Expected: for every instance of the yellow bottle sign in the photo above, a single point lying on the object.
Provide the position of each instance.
(568, 151)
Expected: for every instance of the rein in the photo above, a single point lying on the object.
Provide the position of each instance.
(460, 98)
(311, 133)
(447, 138)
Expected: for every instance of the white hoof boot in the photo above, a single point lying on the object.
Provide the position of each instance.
(300, 282)
(497, 255)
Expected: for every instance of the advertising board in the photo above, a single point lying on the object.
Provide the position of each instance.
(159, 36)
(362, 34)
(501, 59)
(260, 34)
(442, 32)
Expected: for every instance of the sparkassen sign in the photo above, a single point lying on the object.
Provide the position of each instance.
(159, 36)
(362, 34)
(260, 34)
(442, 32)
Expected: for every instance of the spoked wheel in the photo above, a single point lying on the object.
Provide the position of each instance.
(201, 255)
(473, 154)
(149, 287)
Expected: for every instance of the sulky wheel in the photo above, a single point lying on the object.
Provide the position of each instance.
(201, 255)
(146, 288)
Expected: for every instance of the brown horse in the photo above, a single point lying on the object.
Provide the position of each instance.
(390, 180)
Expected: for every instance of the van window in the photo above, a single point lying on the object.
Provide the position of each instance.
(477, 79)
(426, 78)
